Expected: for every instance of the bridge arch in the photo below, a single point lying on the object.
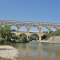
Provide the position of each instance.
(21, 34)
(34, 36)
(34, 29)
(23, 28)
(44, 29)
(14, 28)
(23, 37)
(53, 29)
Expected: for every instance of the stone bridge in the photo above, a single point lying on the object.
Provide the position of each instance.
(28, 25)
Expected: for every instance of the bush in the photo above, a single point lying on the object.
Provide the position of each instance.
(34, 37)
(48, 35)
(23, 38)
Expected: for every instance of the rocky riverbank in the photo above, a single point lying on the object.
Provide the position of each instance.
(53, 39)
(8, 52)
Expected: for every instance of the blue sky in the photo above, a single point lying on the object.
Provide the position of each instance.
(30, 10)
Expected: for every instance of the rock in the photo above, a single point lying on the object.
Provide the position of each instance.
(54, 39)
(8, 52)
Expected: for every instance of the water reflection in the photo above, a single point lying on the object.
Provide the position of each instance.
(38, 51)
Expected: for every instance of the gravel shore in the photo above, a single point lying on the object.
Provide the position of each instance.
(8, 52)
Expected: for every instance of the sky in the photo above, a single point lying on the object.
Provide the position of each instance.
(30, 10)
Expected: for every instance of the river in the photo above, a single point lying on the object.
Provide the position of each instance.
(38, 51)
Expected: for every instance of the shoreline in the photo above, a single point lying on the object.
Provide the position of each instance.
(8, 52)
(53, 39)
(49, 42)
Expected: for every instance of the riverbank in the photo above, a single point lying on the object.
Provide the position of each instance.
(53, 39)
(8, 52)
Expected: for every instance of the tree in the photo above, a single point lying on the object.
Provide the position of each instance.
(23, 37)
(51, 33)
(13, 35)
(7, 29)
(14, 38)
(1, 29)
(34, 37)
(13, 30)
(6, 33)
(1, 33)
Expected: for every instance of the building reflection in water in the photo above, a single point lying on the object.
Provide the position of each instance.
(38, 51)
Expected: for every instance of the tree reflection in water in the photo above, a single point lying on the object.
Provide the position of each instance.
(37, 51)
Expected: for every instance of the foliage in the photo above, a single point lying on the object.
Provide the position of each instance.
(48, 35)
(13, 30)
(1, 29)
(34, 37)
(13, 36)
(5, 33)
(7, 37)
(23, 38)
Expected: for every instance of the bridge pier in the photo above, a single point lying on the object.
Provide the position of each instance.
(27, 37)
(17, 29)
(40, 38)
(49, 29)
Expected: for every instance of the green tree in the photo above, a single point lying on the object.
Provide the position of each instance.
(14, 38)
(6, 33)
(1, 29)
(34, 37)
(13, 35)
(7, 29)
(48, 35)
(1, 32)
(23, 38)
(13, 30)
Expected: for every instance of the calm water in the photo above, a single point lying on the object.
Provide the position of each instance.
(38, 51)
